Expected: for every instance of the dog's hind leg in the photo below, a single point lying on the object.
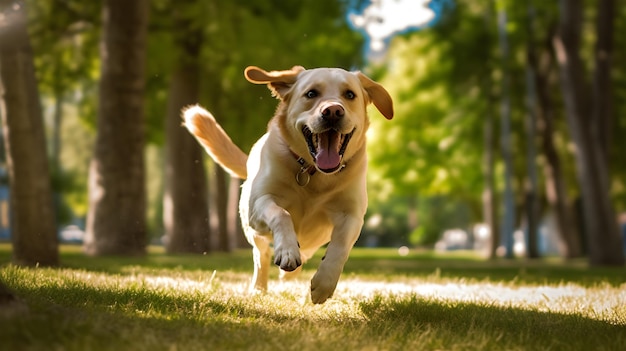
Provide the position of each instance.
(262, 255)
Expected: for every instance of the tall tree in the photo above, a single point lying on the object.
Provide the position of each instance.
(508, 220)
(116, 222)
(541, 61)
(586, 127)
(219, 209)
(34, 225)
(489, 193)
(602, 114)
(530, 187)
(185, 206)
(235, 232)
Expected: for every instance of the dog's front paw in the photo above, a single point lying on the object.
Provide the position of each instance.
(288, 259)
(322, 287)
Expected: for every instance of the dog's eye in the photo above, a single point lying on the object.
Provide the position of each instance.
(350, 95)
(311, 93)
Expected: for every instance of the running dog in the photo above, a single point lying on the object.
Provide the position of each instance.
(305, 178)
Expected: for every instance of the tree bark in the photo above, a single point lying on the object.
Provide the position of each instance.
(116, 222)
(556, 186)
(489, 191)
(185, 208)
(219, 209)
(33, 226)
(530, 198)
(508, 219)
(604, 241)
(531, 188)
(234, 224)
(602, 88)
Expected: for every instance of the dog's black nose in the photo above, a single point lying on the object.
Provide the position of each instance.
(332, 112)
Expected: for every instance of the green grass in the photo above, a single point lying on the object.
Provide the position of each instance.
(423, 301)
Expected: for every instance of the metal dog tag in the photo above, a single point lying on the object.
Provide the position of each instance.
(303, 177)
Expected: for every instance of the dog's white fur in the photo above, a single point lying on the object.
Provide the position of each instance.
(301, 206)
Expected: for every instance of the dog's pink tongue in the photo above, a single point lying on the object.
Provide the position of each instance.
(328, 157)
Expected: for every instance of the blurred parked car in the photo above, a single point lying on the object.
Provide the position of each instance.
(71, 234)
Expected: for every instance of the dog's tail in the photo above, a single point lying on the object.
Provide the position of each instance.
(202, 125)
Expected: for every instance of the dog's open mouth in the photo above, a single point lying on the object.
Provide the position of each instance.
(327, 148)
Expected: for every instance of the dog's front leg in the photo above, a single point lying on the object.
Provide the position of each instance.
(268, 215)
(343, 238)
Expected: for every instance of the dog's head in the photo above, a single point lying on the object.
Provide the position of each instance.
(323, 112)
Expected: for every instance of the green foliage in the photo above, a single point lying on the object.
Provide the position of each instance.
(439, 79)
(236, 34)
(273, 35)
(386, 224)
(65, 36)
(433, 211)
(445, 81)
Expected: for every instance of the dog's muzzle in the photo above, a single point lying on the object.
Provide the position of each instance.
(327, 148)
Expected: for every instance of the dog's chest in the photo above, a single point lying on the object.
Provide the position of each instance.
(309, 211)
(313, 226)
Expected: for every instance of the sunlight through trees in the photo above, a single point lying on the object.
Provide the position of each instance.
(106, 81)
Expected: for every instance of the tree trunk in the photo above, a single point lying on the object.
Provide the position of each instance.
(56, 132)
(116, 222)
(604, 241)
(508, 220)
(602, 87)
(33, 226)
(234, 224)
(556, 193)
(219, 195)
(185, 208)
(531, 199)
(489, 191)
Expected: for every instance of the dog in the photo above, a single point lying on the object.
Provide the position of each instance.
(305, 179)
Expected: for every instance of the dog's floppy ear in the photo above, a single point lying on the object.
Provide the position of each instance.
(378, 95)
(278, 82)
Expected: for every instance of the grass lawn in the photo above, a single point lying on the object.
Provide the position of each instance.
(423, 301)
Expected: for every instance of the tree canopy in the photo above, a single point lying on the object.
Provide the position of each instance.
(428, 167)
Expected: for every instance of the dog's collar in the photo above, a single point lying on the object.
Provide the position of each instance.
(303, 176)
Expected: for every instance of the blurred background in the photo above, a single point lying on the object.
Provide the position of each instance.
(507, 138)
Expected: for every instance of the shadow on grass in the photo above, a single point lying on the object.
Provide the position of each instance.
(490, 327)
(82, 317)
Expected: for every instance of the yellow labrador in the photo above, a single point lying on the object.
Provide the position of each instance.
(305, 178)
